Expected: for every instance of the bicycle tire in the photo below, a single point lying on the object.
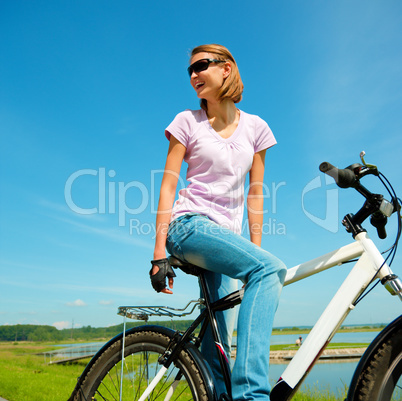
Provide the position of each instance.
(142, 350)
(381, 379)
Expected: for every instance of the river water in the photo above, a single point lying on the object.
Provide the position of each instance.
(326, 376)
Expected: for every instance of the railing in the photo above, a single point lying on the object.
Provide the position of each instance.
(73, 353)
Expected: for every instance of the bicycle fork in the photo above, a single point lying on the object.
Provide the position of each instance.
(393, 284)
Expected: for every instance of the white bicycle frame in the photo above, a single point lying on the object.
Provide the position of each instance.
(370, 264)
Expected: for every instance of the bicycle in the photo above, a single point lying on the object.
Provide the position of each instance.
(153, 362)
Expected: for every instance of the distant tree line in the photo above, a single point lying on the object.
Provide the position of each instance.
(31, 332)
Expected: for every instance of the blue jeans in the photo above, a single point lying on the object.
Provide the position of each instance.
(198, 240)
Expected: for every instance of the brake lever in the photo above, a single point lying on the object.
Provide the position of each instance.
(371, 168)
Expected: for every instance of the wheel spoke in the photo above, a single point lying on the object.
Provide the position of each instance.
(140, 367)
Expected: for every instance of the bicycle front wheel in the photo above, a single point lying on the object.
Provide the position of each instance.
(381, 380)
(105, 380)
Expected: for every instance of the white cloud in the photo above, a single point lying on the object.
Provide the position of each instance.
(61, 325)
(77, 302)
(105, 302)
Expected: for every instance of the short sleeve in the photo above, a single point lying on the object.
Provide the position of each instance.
(264, 137)
(180, 128)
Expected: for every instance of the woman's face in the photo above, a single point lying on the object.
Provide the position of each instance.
(208, 82)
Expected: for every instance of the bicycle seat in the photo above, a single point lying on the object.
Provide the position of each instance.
(188, 268)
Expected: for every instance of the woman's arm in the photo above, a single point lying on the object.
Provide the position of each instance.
(255, 198)
(171, 173)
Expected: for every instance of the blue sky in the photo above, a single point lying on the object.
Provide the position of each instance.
(86, 91)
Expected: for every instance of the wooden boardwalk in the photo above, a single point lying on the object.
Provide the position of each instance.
(284, 356)
(328, 354)
(70, 354)
(70, 359)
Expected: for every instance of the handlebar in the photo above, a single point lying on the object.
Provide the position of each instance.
(345, 178)
(375, 206)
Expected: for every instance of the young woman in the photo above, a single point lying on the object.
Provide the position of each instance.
(221, 145)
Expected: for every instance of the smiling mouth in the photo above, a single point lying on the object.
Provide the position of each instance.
(198, 85)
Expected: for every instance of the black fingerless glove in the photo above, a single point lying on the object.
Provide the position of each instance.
(158, 280)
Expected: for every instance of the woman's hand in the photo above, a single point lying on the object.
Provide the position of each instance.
(160, 270)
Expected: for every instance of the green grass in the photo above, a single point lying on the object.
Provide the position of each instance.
(24, 376)
(313, 394)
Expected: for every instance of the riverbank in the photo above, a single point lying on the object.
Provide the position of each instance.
(342, 329)
(24, 375)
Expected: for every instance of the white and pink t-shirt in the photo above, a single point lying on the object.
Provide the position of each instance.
(217, 167)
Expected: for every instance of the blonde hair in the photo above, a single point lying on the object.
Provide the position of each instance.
(232, 87)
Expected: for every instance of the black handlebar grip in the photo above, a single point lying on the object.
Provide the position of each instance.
(325, 166)
(344, 178)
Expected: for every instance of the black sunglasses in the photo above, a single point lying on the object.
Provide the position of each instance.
(202, 65)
